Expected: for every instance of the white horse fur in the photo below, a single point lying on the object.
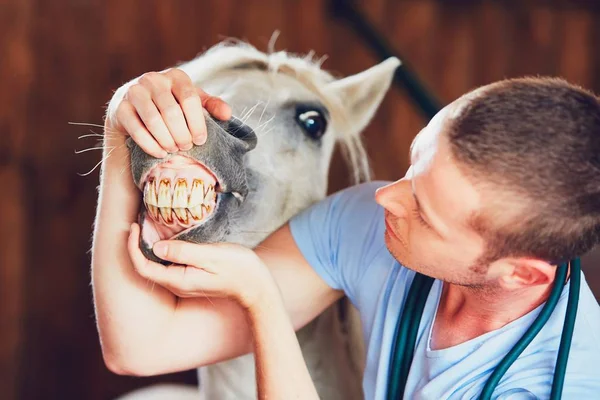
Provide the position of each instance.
(261, 88)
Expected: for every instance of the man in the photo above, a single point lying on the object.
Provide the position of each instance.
(504, 183)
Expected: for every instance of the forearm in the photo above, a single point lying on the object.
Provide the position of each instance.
(281, 372)
(131, 313)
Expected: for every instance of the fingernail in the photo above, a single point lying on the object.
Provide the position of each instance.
(187, 147)
(160, 249)
(198, 140)
(163, 154)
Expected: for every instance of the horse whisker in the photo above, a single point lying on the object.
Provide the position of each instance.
(250, 112)
(263, 134)
(90, 149)
(264, 109)
(108, 131)
(257, 129)
(85, 124)
(100, 162)
(90, 135)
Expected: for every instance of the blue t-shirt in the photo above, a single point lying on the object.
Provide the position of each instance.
(342, 238)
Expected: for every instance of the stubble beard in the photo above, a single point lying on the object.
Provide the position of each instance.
(404, 260)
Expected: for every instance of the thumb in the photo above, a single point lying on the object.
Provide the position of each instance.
(216, 106)
(183, 253)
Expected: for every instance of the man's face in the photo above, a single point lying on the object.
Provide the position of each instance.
(427, 211)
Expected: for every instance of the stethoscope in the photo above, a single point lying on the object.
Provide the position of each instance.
(408, 325)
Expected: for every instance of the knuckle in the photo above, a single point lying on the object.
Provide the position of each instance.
(172, 111)
(178, 75)
(153, 120)
(137, 91)
(188, 92)
(173, 253)
(165, 98)
(149, 78)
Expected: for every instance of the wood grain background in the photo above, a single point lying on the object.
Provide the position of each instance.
(60, 60)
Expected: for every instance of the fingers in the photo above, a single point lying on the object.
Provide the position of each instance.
(180, 252)
(142, 265)
(129, 119)
(179, 279)
(160, 87)
(140, 97)
(165, 110)
(190, 103)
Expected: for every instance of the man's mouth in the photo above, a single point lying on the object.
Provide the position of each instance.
(389, 228)
(179, 194)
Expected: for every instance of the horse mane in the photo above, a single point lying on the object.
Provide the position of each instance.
(307, 69)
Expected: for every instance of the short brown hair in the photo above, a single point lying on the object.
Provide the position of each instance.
(538, 139)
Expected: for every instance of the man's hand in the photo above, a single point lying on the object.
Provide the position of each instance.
(205, 270)
(162, 112)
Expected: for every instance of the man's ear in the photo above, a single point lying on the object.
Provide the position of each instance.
(527, 272)
(362, 93)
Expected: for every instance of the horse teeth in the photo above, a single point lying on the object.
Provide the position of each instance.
(210, 195)
(180, 197)
(150, 197)
(197, 193)
(167, 215)
(189, 214)
(196, 212)
(164, 194)
(181, 214)
(153, 210)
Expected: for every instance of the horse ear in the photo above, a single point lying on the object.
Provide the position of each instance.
(361, 94)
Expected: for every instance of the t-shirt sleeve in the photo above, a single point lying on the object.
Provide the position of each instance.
(339, 235)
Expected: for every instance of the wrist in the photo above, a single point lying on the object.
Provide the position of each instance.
(263, 297)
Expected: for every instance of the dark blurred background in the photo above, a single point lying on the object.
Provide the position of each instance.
(60, 60)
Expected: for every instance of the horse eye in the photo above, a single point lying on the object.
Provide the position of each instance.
(312, 122)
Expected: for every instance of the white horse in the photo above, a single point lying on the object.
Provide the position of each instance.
(273, 160)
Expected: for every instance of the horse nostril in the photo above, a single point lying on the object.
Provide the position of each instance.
(238, 129)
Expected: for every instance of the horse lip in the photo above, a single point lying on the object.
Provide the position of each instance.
(220, 185)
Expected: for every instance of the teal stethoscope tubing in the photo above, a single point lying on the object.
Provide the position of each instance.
(408, 324)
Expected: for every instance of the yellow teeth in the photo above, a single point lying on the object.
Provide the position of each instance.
(164, 193)
(197, 193)
(210, 195)
(180, 197)
(196, 212)
(153, 210)
(150, 197)
(161, 203)
(181, 214)
(167, 216)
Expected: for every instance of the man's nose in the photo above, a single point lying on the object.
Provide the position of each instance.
(395, 197)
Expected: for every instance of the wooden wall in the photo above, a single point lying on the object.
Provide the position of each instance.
(60, 60)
